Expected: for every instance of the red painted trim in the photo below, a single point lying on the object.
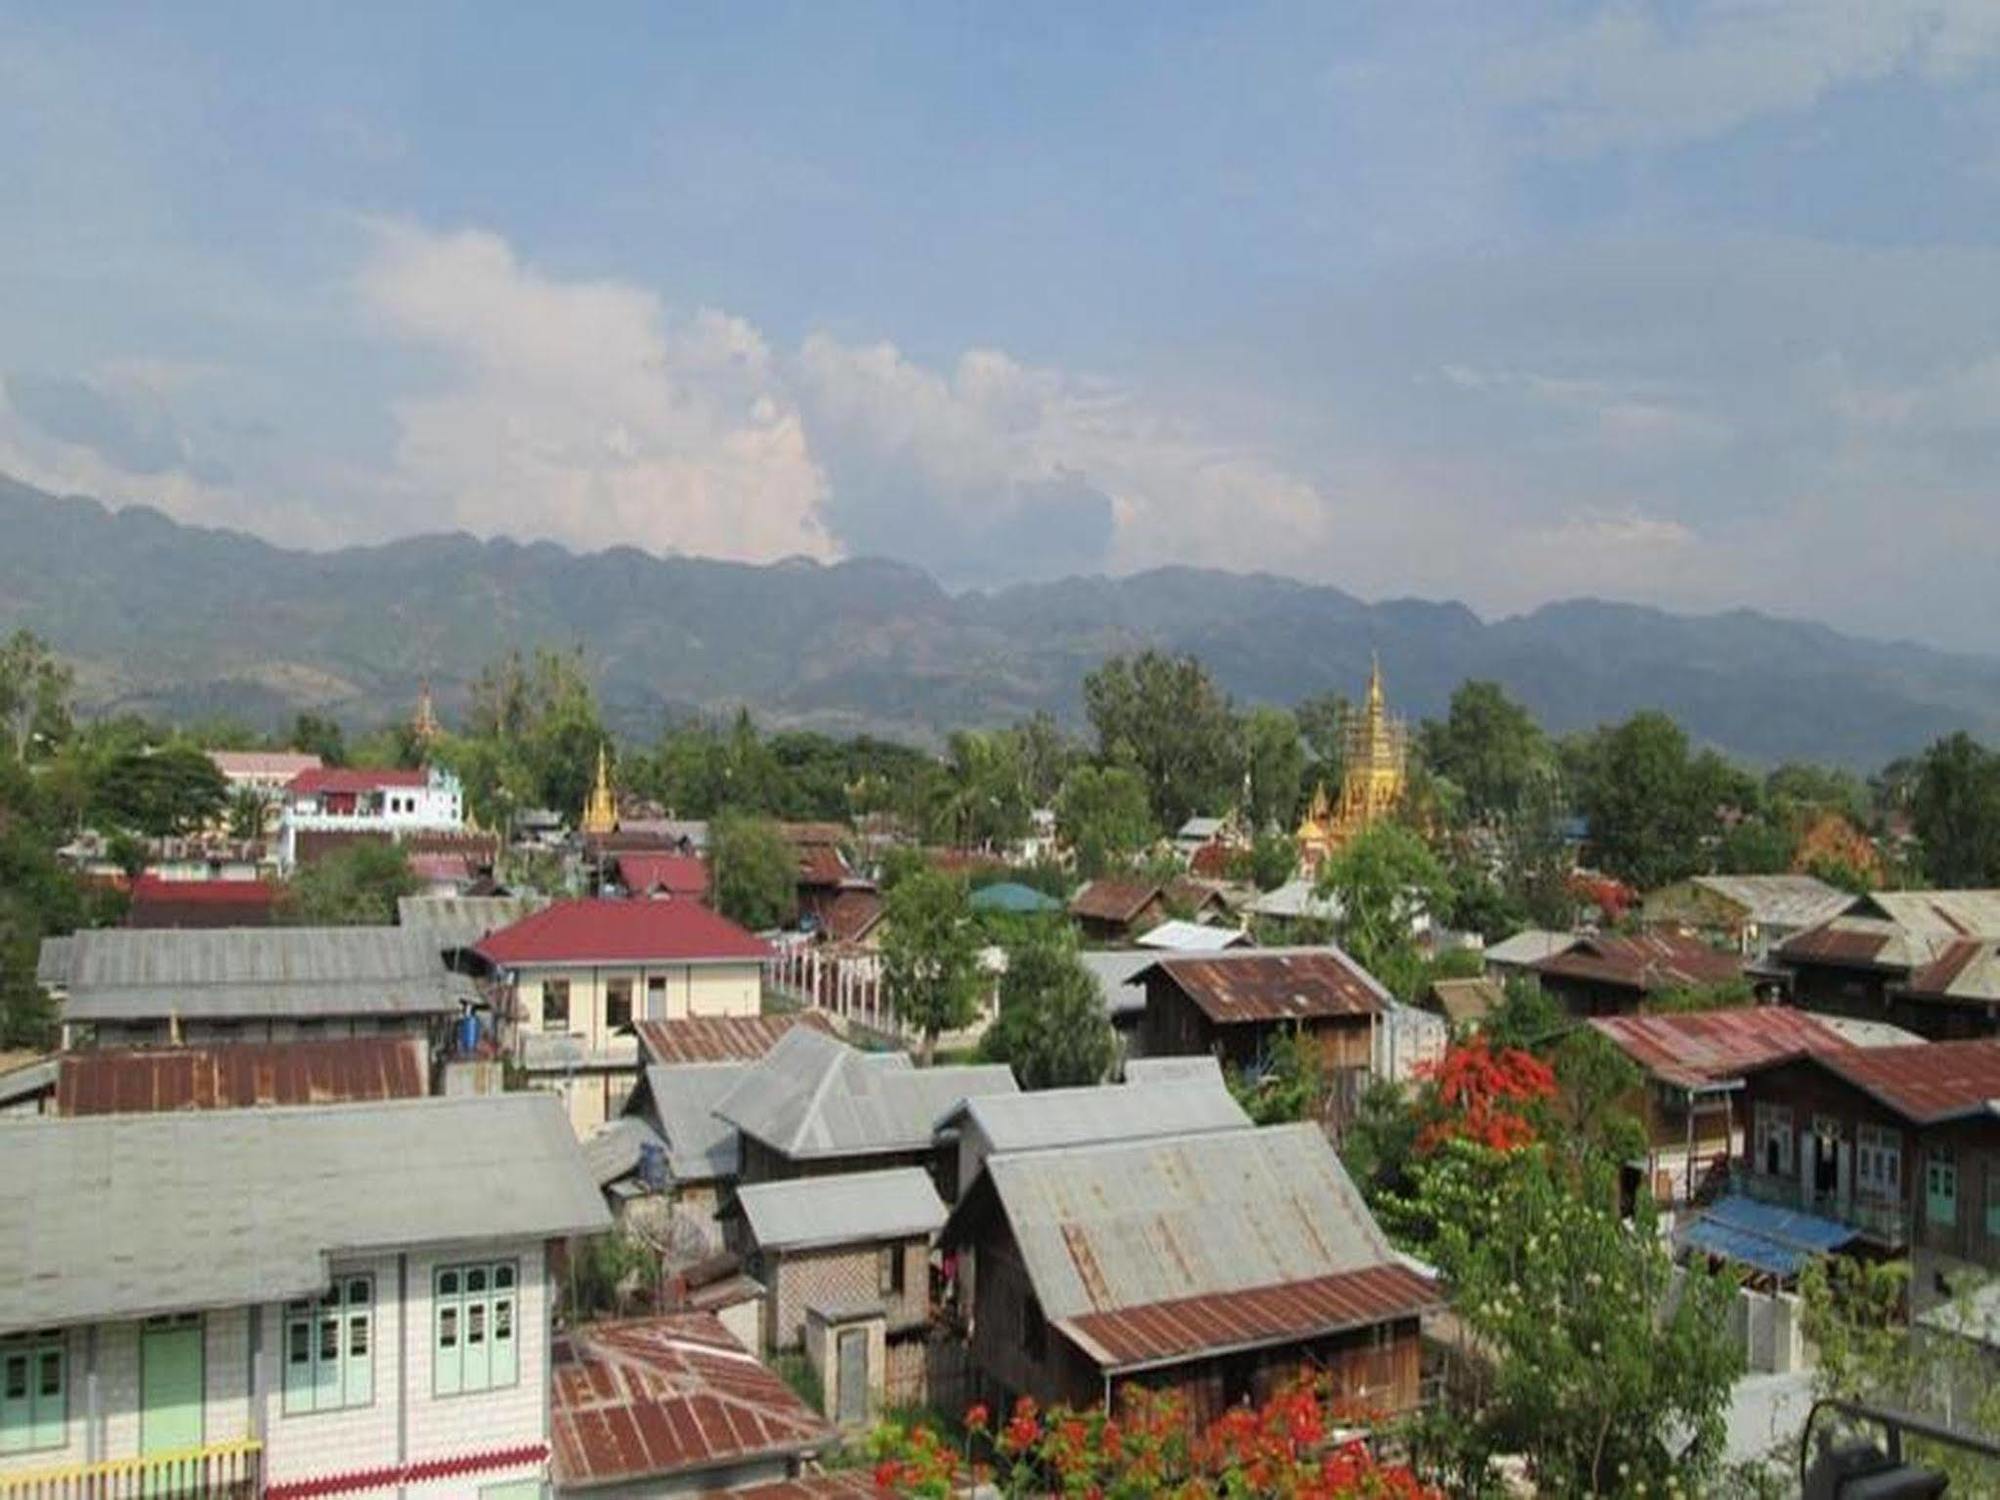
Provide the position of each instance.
(357, 1480)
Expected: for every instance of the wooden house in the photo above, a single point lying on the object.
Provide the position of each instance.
(1235, 1004)
(1608, 974)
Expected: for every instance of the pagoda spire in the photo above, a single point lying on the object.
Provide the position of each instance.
(424, 726)
(600, 813)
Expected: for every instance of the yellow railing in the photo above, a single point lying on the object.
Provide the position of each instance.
(225, 1471)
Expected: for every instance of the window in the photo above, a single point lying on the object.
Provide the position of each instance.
(34, 1375)
(555, 1005)
(1878, 1164)
(1774, 1140)
(656, 997)
(330, 1348)
(889, 1273)
(473, 1327)
(1940, 1187)
(617, 1004)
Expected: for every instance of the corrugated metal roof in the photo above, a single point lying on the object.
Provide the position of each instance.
(613, 1151)
(1779, 900)
(118, 974)
(1647, 961)
(243, 1075)
(1275, 984)
(604, 931)
(1974, 913)
(1171, 1331)
(1297, 899)
(1113, 900)
(126, 1216)
(1966, 972)
(54, 962)
(1926, 1083)
(461, 921)
(835, 1484)
(1012, 896)
(815, 1096)
(1122, 1225)
(852, 915)
(668, 1397)
(850, 1206)
(1108, 1112)
(1113, 969)
(21, 1080)
(1144, 1072)
(1530, 946)
(695, 1039)
(1466, 1002)
(679, 1103)
(1760, 1235)
(1177, 936)
(677, 874)
(1714, 1046)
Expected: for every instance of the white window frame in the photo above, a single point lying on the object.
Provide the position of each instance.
(327, 1352)
(1774, 1121)
(477, 1305)
(1878, 1164)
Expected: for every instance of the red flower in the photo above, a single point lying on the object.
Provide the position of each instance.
(977, 1416)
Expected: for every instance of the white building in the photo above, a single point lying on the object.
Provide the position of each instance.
(349, 1299)
(338, 799)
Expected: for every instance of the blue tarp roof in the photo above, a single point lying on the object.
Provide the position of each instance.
(1778, 1240)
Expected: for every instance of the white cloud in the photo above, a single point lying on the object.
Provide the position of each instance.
(1634, 75)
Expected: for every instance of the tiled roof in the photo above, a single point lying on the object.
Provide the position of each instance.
(1273, 984)
(821, 864)
(604, 931)
(1714, 1046)
(676, 874)
(1926, 1083)
(241, 1075)
(703, 1039)
(1647, 961)
(1165, 1332)
(668, 1397)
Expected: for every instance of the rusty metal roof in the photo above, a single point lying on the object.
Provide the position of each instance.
(1466, 1002)
(668, 1397)
(1126, 1224)
(1273, 984)
(835, 1484)
(1113, 900)
(1927, 1083)
(245, 1075)
(852, 915)
(1170, 1331)
(1713, 1046)
(1967, 971)
(702, 1039)
(1646, 961)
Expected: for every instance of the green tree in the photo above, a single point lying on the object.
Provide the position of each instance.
(1489, 747)
(1956, 809)
(1383, 881)
(1797, 787)
(753, 871)
(1527, 1017)
(321, 735)
(1322, 719)
(34, 696)
(1046, 756)
(988, 799)
(174, 789)
(1755, 846)
(1647, 802)
(930, 956)
(1274, 769)
(1165, 717)
(1052, 1029)
(1103, 815)
(38, 898)
(355, 886)
(1274, 857)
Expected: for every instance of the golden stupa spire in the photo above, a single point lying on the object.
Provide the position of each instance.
(600, 813)
(424, 726)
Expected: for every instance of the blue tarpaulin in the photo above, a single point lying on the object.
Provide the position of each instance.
(1778, 1240)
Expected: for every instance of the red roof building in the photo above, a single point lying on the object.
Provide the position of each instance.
(663, 874)
(324, 781)
(158, 903)
(603, 932)
(1695, 1049)
(673, 1401)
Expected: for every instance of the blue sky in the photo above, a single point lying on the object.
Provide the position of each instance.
(1692, 304)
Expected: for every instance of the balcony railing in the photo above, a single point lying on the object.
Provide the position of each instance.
(220, 1471)
(1888, 1224)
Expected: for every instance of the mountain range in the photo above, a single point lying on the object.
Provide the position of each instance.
(179, 621)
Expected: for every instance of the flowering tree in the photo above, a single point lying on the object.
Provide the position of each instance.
(1286, 1448)
(1488, 1097)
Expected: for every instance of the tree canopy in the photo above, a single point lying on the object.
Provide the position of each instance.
(1165, 717)
(1052, 1029)
(354, 886)
(930, 955)
(752, 871)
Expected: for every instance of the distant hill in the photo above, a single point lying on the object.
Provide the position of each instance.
(180, 621)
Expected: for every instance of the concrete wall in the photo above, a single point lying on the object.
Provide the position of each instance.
(723, 989)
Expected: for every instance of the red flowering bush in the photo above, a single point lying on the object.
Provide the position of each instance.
(1486, 1097)
(1286, 1449)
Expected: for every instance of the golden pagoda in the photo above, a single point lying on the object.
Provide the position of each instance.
(424, 726)
(600, 813)
(1373, 760)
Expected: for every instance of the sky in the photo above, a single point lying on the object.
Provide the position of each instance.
(1691, 304)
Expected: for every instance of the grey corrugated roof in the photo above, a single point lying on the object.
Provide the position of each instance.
(27, 1080)
(120, 974)
(1112, 968)
(126, 1216)
(810, 1211)
(1780, 900)
(52, 965)
(1974, 913)
(1110, 1226)
(679, 1101)
(1530, 946)
(1147, 1071)
(1296, 899)
(1175, 935)
(461, 921)
(1108, 1112)
(813, 1095)
(613, 1151)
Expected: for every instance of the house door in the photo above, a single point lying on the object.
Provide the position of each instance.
(853, 1401)
(170, 1384)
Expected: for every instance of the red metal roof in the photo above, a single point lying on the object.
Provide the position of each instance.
(1712, 1046)
(821, 864)
(1187, 1327)
(1289, 984)
(603, 931)
(205, 892)
(1842, 941)
(668, 1396)
(849, 917)
(241, 1075)
(1647, 961)
(837, 1484)
(1927, 1082)
(318, 780)
(706, 1039)
(676, 874)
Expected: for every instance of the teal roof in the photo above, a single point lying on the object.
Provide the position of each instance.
(1012, 896)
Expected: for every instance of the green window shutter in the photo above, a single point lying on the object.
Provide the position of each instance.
(50, 1381)
(298, 1355)
(503, 1332)
(17, 1402)
(478, 1328)
(326, 1354)
(1941, 1195)
(358, 1354)
(447, 1348)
